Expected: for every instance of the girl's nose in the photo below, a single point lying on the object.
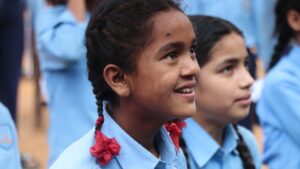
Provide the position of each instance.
(191, 67)
(247, 80)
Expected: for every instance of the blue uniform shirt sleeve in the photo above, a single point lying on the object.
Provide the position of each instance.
(9, 151)
(284, 103)
(60, 38)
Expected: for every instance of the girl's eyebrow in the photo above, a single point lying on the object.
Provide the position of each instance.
(233, 60)
(173, 45)
(229, 61)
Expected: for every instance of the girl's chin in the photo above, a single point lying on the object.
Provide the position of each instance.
(239, 118)
(185, 115)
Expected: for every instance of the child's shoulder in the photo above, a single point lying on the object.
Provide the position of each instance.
(77, 155)
(9, 153)
(252, 145)
(246, 133)
(53, 16)
(54, 11)
(4, 114)
(248, 137)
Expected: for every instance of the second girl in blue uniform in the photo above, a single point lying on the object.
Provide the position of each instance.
(212, 140)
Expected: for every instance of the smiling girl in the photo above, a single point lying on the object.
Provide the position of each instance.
(141, 62)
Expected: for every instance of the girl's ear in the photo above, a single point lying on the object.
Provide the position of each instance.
(115, 78)
(293, 18)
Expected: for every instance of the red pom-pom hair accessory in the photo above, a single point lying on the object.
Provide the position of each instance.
(174, 128)
(104, 148)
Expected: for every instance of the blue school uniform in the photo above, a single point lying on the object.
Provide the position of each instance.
(9, 148)
(60, 43)
(205, 153)
(238, 12)
(35, 8)
(254, 17)
(279, 113)
(132, 154)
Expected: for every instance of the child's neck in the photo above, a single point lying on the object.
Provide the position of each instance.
(215, 130)
(139, 128)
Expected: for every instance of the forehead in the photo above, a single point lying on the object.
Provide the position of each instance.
(172, 23)
(231, 46)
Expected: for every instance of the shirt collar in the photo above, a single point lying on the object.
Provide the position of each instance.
(230, 141)
(202, 146)
(132, 153)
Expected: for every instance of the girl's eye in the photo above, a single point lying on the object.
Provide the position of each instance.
(171, 56)
(192, 50)
(246, 63)
(227, 70)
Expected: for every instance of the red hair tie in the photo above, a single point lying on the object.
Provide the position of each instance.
(174, 128)
(104, 148)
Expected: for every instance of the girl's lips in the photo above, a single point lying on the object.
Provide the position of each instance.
(190, 84)
(187, 91)
(188, 96)
(244, 101)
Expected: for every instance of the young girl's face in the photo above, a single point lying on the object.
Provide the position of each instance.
(223, 91)
(164, 81)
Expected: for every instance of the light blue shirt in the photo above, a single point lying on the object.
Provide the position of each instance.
(132, 154)
(254, 17)
(205, 153)
(9, 148)
(35, 8)
(279, 113)
(71, 103)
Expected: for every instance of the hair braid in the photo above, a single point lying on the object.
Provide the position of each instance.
(283, 31)
(244, 151)
(99, 107)
(283, 39)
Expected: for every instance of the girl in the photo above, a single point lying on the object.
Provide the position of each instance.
(141, 61)
(9, 148)
(278, 107)
(249, 16)
(60, 43)
(211, 139)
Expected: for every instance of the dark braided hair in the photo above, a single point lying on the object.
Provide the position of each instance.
(117, 31)
(209, 31)
(282, 28)
(244, 150)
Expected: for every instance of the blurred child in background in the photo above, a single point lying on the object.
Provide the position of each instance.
(60, 43)
(278, 108)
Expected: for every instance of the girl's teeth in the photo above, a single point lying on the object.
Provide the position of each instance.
(186, 90)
